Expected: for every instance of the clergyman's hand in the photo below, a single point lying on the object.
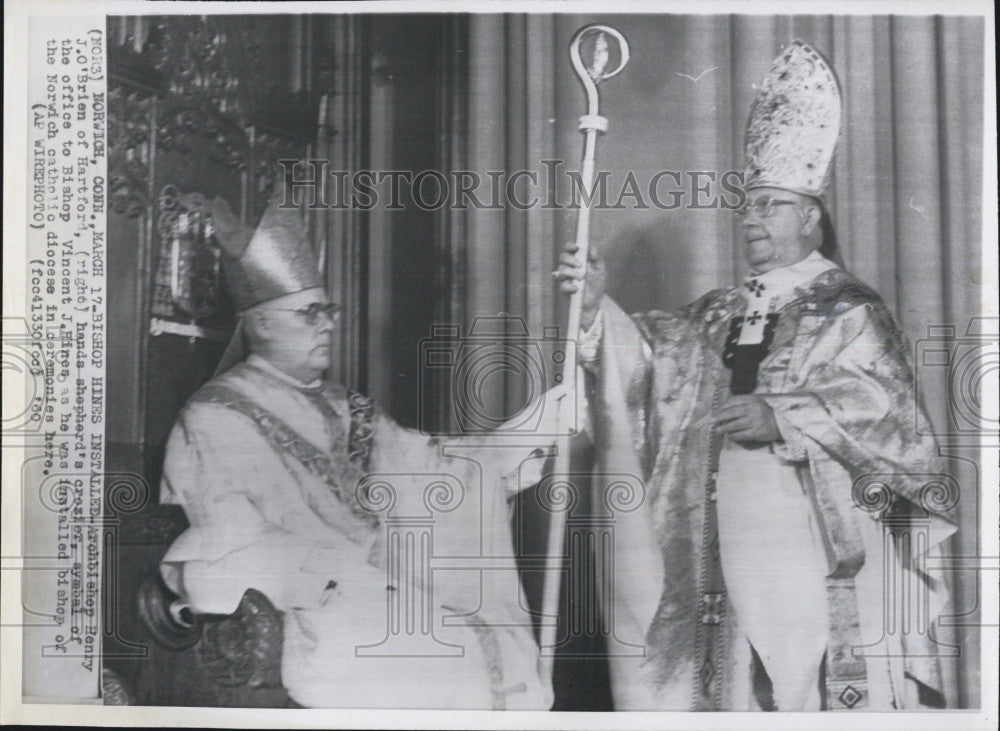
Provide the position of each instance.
(747, 419)
(571, 272)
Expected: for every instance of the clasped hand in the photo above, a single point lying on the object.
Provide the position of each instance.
(747, 419)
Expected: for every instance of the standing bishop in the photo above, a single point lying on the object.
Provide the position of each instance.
(785, 455)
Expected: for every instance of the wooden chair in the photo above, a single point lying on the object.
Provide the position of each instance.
(177, 657)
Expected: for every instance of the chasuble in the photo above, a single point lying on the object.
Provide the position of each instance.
(776, 556)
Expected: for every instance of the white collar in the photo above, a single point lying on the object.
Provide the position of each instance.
(266, 366)
(780, 282)
(766, 293)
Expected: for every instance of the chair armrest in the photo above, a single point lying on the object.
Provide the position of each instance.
(235, 650)
(244, 648)
(154, 599)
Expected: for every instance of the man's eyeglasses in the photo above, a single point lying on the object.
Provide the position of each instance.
(762, 207)
(312, 313)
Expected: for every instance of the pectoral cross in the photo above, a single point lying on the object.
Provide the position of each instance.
(755, 287)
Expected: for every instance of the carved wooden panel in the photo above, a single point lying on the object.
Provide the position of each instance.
(197, 107)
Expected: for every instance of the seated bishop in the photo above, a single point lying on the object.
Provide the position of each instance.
(269, 461)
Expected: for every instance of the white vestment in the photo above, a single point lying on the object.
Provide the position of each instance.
(267, 471)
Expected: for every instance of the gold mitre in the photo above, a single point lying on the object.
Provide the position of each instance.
(272, 261)
(794, 124)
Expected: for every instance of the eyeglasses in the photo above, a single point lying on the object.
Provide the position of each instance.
(762, 207)
(312, 313)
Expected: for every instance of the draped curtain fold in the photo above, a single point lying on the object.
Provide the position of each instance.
(906, 201)
(512, 78)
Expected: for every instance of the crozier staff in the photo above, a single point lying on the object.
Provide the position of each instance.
(753, 411)
(629, 598)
